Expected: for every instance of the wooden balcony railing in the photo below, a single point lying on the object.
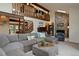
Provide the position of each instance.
(30, 11)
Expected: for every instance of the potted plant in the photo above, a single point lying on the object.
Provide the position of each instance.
(42, 42)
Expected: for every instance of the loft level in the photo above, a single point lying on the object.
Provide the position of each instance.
(31, 10)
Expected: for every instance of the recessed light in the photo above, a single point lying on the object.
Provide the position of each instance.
(27, 3)
(13, 9)
(67, 26)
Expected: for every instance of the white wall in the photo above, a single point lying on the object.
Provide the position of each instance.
(74, 25)
(35, 22)
(4, 29)
(6, 7)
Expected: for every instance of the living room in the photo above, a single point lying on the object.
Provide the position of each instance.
(27, 29)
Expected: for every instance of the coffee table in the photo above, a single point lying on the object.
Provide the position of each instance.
(45, 51)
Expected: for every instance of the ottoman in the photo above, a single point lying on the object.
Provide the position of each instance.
(45, 51)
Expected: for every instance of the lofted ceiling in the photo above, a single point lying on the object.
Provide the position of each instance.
(61, 6)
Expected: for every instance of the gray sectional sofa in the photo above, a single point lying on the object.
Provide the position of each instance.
(22, 38)
(17, 45)
(11, 45)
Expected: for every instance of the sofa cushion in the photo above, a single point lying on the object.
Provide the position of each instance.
(3, 40)
(15, 52)
(22, 37)
(50, 39)
(2, 53)
(28, 42)
(13, 38)
(12, 46)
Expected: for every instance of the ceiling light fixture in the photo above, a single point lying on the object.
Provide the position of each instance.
(62, 11)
